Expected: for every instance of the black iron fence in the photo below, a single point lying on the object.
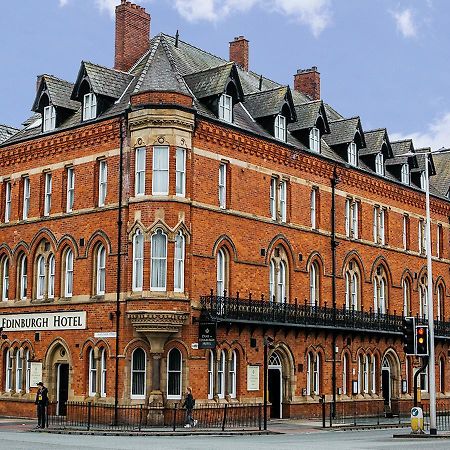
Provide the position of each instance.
(442, 415)
(101, 416)
(249, 310)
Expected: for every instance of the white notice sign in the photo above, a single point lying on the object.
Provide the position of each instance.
(105, 334)
(35, 373)
(252, 378)
(63, 320)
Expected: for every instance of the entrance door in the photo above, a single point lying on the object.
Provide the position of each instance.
(62, 388)
(386, 381)
(274, 385)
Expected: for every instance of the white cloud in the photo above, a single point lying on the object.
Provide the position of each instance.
(436, 136)
(405, 23)
(63, 3)
(108, 6)
(313, 13)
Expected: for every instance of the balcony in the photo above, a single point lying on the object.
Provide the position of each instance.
(259, 312)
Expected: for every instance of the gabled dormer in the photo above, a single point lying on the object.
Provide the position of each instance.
(53, 101)
(400, 166)
(97, 88)
(418, 176)
(218, 88)
(311, 124)
(273, 110)
(346, 138)
(377, 151)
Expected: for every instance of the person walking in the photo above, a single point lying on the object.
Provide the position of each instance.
(42, 403)
(189, 403)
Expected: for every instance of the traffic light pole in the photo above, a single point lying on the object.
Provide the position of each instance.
(416, 377)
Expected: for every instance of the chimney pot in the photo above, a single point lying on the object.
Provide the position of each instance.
(307, 81)
(239, 51)
(132, 34)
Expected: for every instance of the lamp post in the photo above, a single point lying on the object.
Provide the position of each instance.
(430, 313)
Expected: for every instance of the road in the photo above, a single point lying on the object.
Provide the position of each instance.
(17, 436)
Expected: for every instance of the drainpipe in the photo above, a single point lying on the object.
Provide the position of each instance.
(123, 130)
(334, 244)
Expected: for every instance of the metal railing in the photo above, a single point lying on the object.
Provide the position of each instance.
(442, 415)
(100, 416)
(249, 310)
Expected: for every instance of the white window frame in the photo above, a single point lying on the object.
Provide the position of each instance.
(102, 182)
(28, 370)
(92, 373)
(70, 189)
(344, 374)
(351, 218)
(221, 375)
(48, 193)
(101, 270)
(439, 232)
(7, 201)
(40, 277)
(138, 261)
(280, 128)
(175, 372)
(379, 164)
(19, 372)
(405, 232)
(379, 216)
(139, 171)
(316, 374)
(9, 370)
(283, 200)
(221, 272)
(233, 374)
(422, 236)
(49, 119)
(68, 274)
(89, 106)
(160, 174)
(352, 154)
(103, 372)
(26, 197)
(313, 208)
(423, 180)
(51, 277)
(178, 269)
(138, 396)
(210, 375)
(5, 280)
(405, 174)
(272, 275)
(281, 282)
(314, 140)
(23, 277)
(158, 261)
(313, 288)
(406, 287)
(273, 198)
(226, 108)
(222, 185)
(180, 171)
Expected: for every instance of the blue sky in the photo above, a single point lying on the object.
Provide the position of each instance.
(384, 60)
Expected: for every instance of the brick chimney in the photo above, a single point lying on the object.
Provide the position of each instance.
(307, 81)
(132, 34)
(239, 51)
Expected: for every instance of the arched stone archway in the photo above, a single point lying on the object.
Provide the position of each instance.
(390, 378)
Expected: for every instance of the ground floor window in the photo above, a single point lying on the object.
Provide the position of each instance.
(138, 374)
(174, 364)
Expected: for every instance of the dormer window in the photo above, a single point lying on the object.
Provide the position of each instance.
(89, 106)
(314, 140)
(405, 174)
(280, 128)
(423, 181)
(226, 108)
(49, 122)
(352, 154)
(448, 194)
(379, 164)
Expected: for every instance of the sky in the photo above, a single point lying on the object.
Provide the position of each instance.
(386, 61)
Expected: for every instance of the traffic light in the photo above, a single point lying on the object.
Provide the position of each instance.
(422, 340)
(409, 335)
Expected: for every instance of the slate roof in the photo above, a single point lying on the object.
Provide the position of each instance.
(343, 131)
(307, 115)
(6, 132)
(399, 148)
(59, 92)
(267, 103)
(441, 181)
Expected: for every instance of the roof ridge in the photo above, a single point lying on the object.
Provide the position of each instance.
(345, 118)
(268, 90)
(402, 140)
(376, 129)
(55, 78)
(105, 67)
(151, 54)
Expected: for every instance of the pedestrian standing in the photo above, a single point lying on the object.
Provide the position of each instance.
(189, 403)
(42, 403)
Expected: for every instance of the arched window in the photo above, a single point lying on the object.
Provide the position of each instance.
(19, 371)
(138, 260)
(352, 287)
(5, 279)
(314, 284)
(8, 370)
(281, 282)
(23, 278)
(345, 373)
(68, 274)
(138, 374)
(406, 297)
(233, 374)
(100, 276)
(92, 373)
(423, 297)
(221, 376)
(314, 140)
(51, 277)
(440, 302)
(373, 377)
(174, 364)
(211, 374)
(379, 164)
(159, 261)
(278, 275)
(222, 272)
(313, 374)
(361, 374)
(28, 370)
(366, 375)
(103, 372)
(380, 304)
(178, 268)
(40, 289)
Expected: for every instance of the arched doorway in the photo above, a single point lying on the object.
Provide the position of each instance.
(58, 372)
(275, 385)
(386, 384)
(390, 379)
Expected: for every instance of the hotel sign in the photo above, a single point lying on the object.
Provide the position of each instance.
(64, 320)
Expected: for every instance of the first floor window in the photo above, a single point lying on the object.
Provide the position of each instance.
(221, 274)
(47, 194)
(174, 361)
(40, 289)
(223, 185)
(70, 189)
(313, 207)
(160, 170)
(138, 260)
(26, 197)
(351, 218)
(159, 261)
(314, 284)
(139, 171)
(68, 275)
(180, 169)
(352, 287)
(5, 279)
(102, 182)
(23, 278)
(7, 201)
(92, 373)
(178, 269)
(51, 277)
(138, 374)
(101, 270)
(406, 297)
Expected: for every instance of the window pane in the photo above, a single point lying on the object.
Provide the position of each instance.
(161, 170)
(159, 261)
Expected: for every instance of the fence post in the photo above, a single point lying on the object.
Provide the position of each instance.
(89, 416)
(140, 418)
(224, 416)
(259, 416)
(175, 416)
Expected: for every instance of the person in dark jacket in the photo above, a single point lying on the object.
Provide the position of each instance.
(42, 403)
(189, 404)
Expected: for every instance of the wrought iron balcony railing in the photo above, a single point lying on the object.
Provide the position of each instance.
(263, 312)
